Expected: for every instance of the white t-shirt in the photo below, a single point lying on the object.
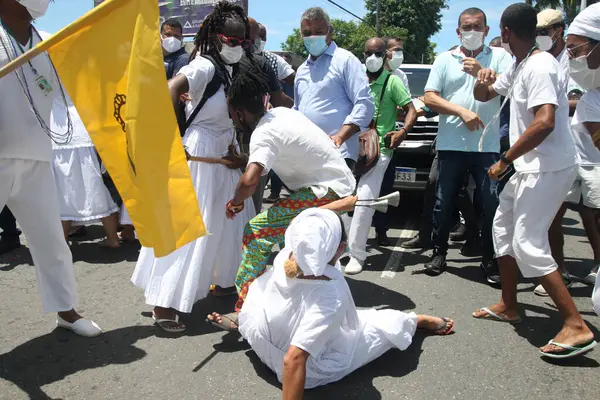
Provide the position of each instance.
(300, 153)
(540, 81)
(281, 67)
(21, 135)
(214, 115)
(402, 75)
(588, 110)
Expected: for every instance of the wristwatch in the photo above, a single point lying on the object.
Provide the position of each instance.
(504, 159)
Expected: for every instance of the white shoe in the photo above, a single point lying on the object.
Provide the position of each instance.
(540, 291)
(82, 327)
(354, 266)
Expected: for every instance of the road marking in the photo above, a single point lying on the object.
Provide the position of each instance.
(389, 272)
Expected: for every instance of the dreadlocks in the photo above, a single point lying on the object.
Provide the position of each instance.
(212, 25)
(248, 88)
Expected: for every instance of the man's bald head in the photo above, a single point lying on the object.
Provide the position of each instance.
(375, 45)
(254, 29)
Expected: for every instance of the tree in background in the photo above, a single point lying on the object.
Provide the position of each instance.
(415, 21)
(569, 7)
(421, 19)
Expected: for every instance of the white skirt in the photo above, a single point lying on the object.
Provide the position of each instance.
(82, 195)
(183, 277)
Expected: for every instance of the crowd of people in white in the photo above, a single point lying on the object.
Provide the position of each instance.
(303, 129)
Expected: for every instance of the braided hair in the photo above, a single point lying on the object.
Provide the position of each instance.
(212, 25)
(248, 88)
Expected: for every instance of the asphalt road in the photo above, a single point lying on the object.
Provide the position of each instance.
(134, 360)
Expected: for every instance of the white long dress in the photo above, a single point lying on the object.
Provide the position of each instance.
(82, 195)
(319, 317)
(184, 276)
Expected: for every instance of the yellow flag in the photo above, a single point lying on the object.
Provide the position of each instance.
(111, 64)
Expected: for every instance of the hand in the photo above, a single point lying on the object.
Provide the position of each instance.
(486, 76)
(185, 97)
(233, 162)
(397, 137)
(337, 140)
(497, 170)
(471, 120)
(471, 66)
(231, 210)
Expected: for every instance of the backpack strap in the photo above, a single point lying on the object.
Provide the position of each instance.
(211, 89)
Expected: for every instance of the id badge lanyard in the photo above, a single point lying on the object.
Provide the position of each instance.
(41, 82)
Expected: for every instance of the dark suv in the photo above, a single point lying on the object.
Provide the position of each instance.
(413, 158)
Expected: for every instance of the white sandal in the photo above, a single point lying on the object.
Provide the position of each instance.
(82, 327)
(160, 322)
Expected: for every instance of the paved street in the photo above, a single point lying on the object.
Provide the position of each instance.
(134, 360)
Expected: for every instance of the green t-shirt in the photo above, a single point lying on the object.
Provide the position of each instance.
(395, 96)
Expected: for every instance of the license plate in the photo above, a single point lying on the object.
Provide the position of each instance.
(406, 174)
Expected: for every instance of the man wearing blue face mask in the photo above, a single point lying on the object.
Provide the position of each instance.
(331, 88)
(449, 91)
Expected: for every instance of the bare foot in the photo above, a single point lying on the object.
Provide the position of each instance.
(435, 325)
(109, 244)
(571, 336)
(226, 322)
(500, 310)
(70, 316)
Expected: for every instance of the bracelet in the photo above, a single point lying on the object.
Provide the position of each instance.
(235, 208)
(504, 159)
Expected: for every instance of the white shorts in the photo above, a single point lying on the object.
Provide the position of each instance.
(528, 205)
(586, 188)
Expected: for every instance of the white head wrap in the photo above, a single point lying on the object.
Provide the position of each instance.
(587, 23)
(314, 237)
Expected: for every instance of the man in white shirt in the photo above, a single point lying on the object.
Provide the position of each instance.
(543, 155)
(300, 153)
(585, 192)
(583, 47)
(395, 55)
(285, 72)
(26, 182)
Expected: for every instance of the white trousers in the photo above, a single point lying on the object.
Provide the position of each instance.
(528, 205)
(596, 295)
(359, 225)
(28, 189)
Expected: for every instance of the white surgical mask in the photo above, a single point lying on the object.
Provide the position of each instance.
(471, 40)
(36, 8)
(374, 63)
(231, 55)
(506, 46)
(171, 44)
(582, 74)
(258, 46)
(544, 43)
(397, 59)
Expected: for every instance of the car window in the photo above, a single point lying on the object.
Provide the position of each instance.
(417, 79)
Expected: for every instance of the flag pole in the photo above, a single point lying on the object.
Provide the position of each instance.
(86, 21)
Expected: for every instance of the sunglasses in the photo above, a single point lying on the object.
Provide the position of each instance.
(380, 54)
(233, 41)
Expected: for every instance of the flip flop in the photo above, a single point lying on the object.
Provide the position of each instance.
(229, 318)
(495, 317)
(442, 329)
(161, 322)
(571, 351)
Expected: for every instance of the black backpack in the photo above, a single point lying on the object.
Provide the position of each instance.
(212, 88)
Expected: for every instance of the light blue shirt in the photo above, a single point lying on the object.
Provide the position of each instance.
(332, 91)
(456, 86)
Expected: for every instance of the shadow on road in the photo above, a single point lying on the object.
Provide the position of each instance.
(56, 355)
(359, 384)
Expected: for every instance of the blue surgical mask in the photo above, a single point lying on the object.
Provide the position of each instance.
(316, 45)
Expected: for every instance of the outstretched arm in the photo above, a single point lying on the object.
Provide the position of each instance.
(294, 373)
